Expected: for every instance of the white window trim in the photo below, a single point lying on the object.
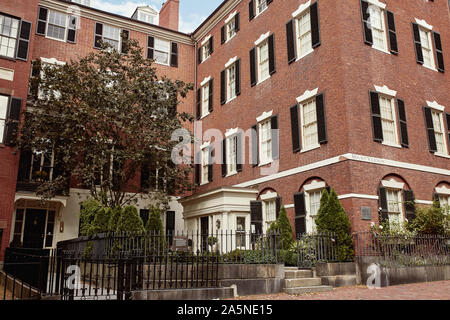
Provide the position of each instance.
(443, 191)
(441, 119)
(314, 185)
(392, 184)
(205, 81)
(261, 158)
(400, 202)
(230, 17)
(230, 134)
(204, 146)
(262, 38)
(228, 66)
(269, 196)
(265, 115)
(377, 3)
(168, 50)
(205, 40)
(310, 188)
(436, 106)
(258, 43)
(301, 9)
(256, 8)
(203, 87)
(307, 95)
(297, 43)
(230, 62)
(385, 32)
(424, 24)
(396, 129)
(386, 91)
(227, 26)
(66, 27)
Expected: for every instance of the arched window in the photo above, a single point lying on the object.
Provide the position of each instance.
(442, 194)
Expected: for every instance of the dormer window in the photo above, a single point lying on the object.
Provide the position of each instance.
(145, 14)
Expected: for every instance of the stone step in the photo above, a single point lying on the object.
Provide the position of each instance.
(296, 274)
(339, 281)
(312, 289)
(336, 269)
(290, 268)
(302, 282)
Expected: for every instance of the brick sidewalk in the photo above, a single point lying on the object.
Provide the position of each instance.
(439, 290)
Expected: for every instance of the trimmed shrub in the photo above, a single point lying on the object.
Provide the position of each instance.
(101, 221)
(430, 220)
(114, 220)
(130, 221)
(89, 209)
(332, 218)
(282, 227)
(155, 227)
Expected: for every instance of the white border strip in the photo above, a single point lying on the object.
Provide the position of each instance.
(301, 8)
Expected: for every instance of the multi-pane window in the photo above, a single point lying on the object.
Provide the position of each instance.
(270, 214)
(205, 165)
(263, 61)
(111, 35)
(388, 119)
(42, 164)
(314, 205)
(162, 51)
(240, 232)
(444, 201)
(394, 203)
(439, 132)
(231, 29)
(231, 82)
(4, 100)
(18, 225)
(378, 27)
(205, 99)
(261, 5)
(309, 123)
(57, 25)
(427, 48)
(9, 30)
(304, 44)
(266, 141)
(232, 154)
(206, 51)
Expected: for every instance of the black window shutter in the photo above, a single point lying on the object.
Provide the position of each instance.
(438, 50)
(315, 27)
(72, 31)
(12, 123)
(24, 41)
(402, 120)
(300, 213)
(368, 39)
(174, 55)
(410, 208)
(222, 34)
(376, 117)
(24, 165)
(211, 45)
(211, 93)
(417, 43)
(382, 202)
(275, 138)
(210, 164)
(42, 21)
(170, 221)
(256, 215)
(436, 199)
(238, 76)
(98, 34)
(251, 10)
(290, 37)
(199, 55)
(255, 156)
(224, 157)
(272, 68)
(237, 22)
(197, 174)
(223, 96)
(278, 206)
(321, 119)
(239, 155)
(150, 47)
(295, 129)
(393, 46)
(253, 67)
(145, 177)
(269, 2)
(199, 103)
(125, 35)
(430, 130)
(447, 116)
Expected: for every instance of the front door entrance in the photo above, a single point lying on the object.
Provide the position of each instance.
(33, 236)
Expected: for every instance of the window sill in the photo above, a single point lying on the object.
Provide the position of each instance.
(204, 183)
(304, 55)
(382, 50)
(265, 163)
(442, 155)
(204, 116)
(389, 144)
(203, 60)
(229, 39)
(259, 82)
(313, 147)
(56, 39)
(162, 64)
(431, 68)
(259, 13)
(8, 58)
(231, 174)
(230, 99)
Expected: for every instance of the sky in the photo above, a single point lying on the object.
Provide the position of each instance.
(192, 12)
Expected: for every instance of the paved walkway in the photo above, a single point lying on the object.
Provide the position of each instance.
(439, 290)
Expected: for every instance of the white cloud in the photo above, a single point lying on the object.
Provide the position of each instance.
(125, 8)
(192, 22)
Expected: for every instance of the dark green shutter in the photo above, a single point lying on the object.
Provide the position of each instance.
(300, 213)
(315, 27)
(150, 47)
(211, 45)
(210, 164)
(417, 43)
(255, 156)
(382, 202)
(290, 38)
(368, 39)
(199, 104)
(253, 67)
(321, 119)
(430, 130)
(41, 26)
(272, 66)
(72, 30)
(174, 55)
(295, 128)
(222, 34)
(223, 90)
(251, 10)
(237, 22)
(239, 152)
(438, 51)
(12, 122)
(275, 138)
(278, 206)
(402, 121)
(393, 46)
(410, 208)
(98, 35)
(256, 215)
(447, 116)
(211, 96)
(376, 117)
(24, 41)
(238, 76)
(224, 157)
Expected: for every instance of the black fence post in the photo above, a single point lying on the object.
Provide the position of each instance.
(120, 276)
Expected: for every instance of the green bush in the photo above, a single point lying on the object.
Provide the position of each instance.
(249, 257)
(114, 220)
(155, 227)
(430, 220)
(283, 229)
(130, 221)
(89, 210)
(101, 221)
(332, 218)
(288, 257)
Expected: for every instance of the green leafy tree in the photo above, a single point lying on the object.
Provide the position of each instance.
(430, 220)
(334, 219)
(282, 227)
(105, 116)
(130, 221)
(89, 210)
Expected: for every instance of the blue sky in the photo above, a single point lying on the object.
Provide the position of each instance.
(192, 12)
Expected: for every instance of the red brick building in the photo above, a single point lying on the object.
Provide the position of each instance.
(307, 95)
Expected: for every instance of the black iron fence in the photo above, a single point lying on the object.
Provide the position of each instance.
(314, 248)
(403, 250)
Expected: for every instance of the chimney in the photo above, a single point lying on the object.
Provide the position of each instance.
(169, 14)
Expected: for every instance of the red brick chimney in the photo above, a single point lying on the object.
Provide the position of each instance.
(169, 14)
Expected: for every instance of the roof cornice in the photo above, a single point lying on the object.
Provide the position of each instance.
(119, 21)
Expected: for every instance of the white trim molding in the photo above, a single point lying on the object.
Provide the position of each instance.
(6, 74)
(231, 16)
(424, 24)
(385, 90)
(205, 40)
(307, 95)
(443, 190)
(205, 145)
(52, 61)
(301, 9)
(377, 3)
(261, 39)
(205, 81)
(269, 196)
(264, 116)
(435, 105)
(392, 184)
(314, 185)
(231, 132)
(230, 62)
